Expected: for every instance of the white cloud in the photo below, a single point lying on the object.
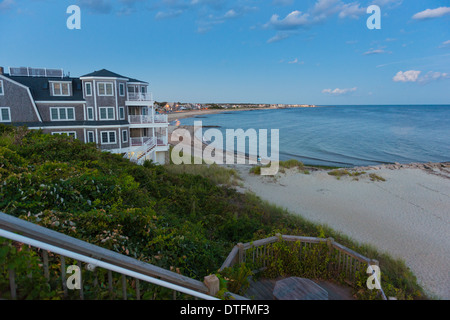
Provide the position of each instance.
(352, 10)
(293, 20)
(296, 61)
(433, 76)
(168, 14)
(6, 4)
(445, 44)
(318, 13)
(338, 92)
(376, 51)
(407, 76)
(432, 13)
(415, 76)
(279, 36)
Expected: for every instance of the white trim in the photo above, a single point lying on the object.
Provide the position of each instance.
(125, 141)
(59, 81)
(2, 93)
(114, 126)
(29, 95)
(87, 114)
(87, 136)
(105, 83)
(103, 78)
(95, 102)
(85, 88)
(61, 89)
(116, 90)
(60, 102)
(100, 113)
(67, 114)
(121, 84)
(124, 115)
(109, 142)
(9, 114)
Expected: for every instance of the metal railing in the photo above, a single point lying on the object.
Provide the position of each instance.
(140, 96)
(145, 147)
(47, 240)
(148, 119)
(259, 253)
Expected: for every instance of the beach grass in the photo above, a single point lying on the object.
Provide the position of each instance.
(217, 174)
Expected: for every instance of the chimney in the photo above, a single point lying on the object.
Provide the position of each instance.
(1, 71)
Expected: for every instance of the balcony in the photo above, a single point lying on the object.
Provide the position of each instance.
(159, 140)
(140, 96)
(148, 119)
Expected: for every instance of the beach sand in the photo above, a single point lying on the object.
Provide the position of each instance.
(406, 216)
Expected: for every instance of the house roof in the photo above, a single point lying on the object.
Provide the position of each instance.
(109, 74)
(40, 88)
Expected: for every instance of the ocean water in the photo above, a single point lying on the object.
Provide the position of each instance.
(348, 135)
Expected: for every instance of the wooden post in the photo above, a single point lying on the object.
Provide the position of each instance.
(124, 287)
(46, 270)
(212, 283)
(81, 280)
(12, 283)
(241, 252)
(330, 242)
(63, 276)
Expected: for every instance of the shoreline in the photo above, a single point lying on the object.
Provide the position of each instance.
(431, 167)
(406, 215)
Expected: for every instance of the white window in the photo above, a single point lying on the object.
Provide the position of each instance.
(122, 113)
(5, 116)
(69, 133)
(107, 113)
(88, 90)
(124, 136)
(121, 89)
(143, 89)
(90, 136)
(90, 113)
(105, 89)
(131, 89)
(61, 88)
(2, 91)
(62, 114)
(108, 137)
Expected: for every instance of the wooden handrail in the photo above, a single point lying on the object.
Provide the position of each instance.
(39, 233)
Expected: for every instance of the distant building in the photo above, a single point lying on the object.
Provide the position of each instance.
(113, 111)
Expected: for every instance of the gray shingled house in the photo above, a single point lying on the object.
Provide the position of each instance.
(113, 111)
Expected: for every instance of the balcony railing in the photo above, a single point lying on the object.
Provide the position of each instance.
(140, 96)
(148, 119)
(160, 140)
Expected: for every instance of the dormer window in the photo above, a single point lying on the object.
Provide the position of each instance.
(61, 88)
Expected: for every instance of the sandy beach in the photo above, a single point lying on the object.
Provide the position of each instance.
(406, 216)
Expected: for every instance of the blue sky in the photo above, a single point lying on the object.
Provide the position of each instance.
(243, 51)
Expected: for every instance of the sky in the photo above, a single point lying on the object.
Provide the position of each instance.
(243, 51)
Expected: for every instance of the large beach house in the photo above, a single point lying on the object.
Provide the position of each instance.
(113, 111)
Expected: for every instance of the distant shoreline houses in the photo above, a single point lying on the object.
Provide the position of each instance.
(177, 107)
(113, 111)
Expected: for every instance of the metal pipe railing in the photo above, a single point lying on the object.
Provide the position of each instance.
(102, 264)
